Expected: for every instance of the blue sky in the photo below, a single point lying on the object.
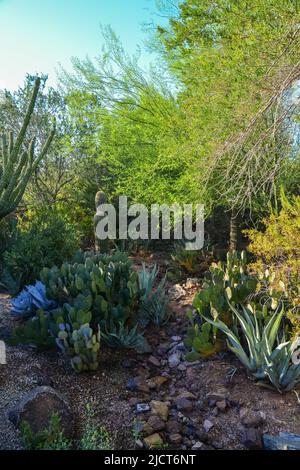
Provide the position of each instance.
(35, 35)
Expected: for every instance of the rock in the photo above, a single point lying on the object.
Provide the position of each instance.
(221, 405)
(175, 439)
(133, 401)
(173, 427)
(218, 395)
(142, 407)
(251, 419)
(37, 408)
(176, 292)
(176, 339)
(153, 441)
(198, 446)
(187, 395)
(252, 439)
(139, 444)
(2, 353)
(157, 381)
(156, 423)
(208, 425)
(202, 405)
(174, 360)
(183, 404)
(191, 282)
(160, 409)
(182, 367)
(154, 361)
(282, 441)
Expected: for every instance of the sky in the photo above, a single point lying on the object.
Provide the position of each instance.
(36, 35)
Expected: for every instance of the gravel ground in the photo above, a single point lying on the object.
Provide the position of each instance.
(105, 391)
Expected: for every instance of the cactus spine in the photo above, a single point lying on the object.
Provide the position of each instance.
(17, 165)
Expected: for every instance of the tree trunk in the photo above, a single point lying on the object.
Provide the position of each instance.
(233, 239)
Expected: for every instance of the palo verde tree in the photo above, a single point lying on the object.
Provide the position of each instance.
(18, 163)
(237, 61)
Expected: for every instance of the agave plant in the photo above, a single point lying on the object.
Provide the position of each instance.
(153, 303)
(280, 369)
(262, 359)
(121, 336)
(31, 299)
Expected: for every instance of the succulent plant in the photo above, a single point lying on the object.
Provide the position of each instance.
(153, 302)
(82, 345)
(201, 339)
(17, 165)
(31, 299)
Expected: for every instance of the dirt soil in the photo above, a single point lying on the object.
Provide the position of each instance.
(126, 379)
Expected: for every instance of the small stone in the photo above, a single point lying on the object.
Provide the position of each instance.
(183, 404)
(174, 360)
(173, 427)
(221, 405)
(175, 439)
(187, 395)
(156, 423)
(202, 405)
(157, 381)
(133, 401)
(208, 425)
(142, 407)
(154, 361)
(176, 339)
(198, 446)
(153, 441)
(160, 409)
(182, 367)
(252, 439)
(251, 419)
(139, 444)
(218, 395)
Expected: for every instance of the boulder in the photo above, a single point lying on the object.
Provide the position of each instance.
(37, 408)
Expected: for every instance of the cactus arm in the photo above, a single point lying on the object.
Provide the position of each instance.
(16, 167)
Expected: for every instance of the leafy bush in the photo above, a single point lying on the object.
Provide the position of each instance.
(277, 250)
(48, 439)
(45, 240)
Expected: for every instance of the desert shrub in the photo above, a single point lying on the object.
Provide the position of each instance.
(277, 252)
(51, 438)
(45, 239)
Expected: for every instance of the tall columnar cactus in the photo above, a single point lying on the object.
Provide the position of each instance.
(100, 245)
(17, 164)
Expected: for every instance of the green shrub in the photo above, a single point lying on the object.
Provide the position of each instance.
(277, 251)
(48, 439)
(46, 239)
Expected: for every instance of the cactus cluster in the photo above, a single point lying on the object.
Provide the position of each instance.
(17, 164)
(105, 285)
(82, 345)
(98, 296)
(224, 281)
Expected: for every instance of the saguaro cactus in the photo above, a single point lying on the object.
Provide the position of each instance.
(17, 164)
